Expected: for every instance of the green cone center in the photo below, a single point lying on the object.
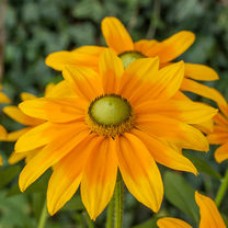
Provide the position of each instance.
(110, 110)
(130, 56)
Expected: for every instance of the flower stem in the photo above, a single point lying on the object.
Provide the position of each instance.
(110, 214)
(118, 203)
(88, 220)
(222, 189)
(43, 217)
(115, 207)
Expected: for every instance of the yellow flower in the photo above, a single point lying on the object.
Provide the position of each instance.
(220, 134)
(118, 120)
(209, 216)
(28, 122)
(118, 38)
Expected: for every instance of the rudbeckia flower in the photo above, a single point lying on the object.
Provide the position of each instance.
(120, 119)
(118, 38)
(219, 135)
(28, 122)
(209, 216)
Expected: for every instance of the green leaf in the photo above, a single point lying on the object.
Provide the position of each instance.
(8, 174)
(179, 193)
(15, 212)
(203, 166)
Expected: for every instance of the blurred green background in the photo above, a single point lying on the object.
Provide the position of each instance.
(31, 29)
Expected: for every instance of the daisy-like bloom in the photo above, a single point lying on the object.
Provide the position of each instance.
(219, 135)
(29, 122)
(209, 216)
(3, 134)
(124, 120)
(118, 38)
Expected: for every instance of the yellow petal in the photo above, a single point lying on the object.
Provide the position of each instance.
(143, 46)
(1, 161)
(60, 90)
(27, 96)
(169, 80)
(28, 155)
(169, 222)
(90, 50)
(221, 120)
(138, 79)
(186, 111)
(65, 110)
(16, 157)
(177, 132)
(164, 154)
(172, 47)
(36, 137)
(67, 175)
(206, 126)
(221, 154)
(3, 133)
(111, 69)
(87, 57)
(218, 136)
(84, 81)
(224, 110)
(116, 35)
(145, 74)
(16, 114)
(99, 178)
(51, 154)
(14, 135)
(200, 72)
(202, 90)
(139, 171)
(4, 98)
(209, 214)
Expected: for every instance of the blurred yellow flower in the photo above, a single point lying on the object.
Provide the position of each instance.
(219, 135)
(29, 122)
(209, 216)
(118, 38)
(119, 119)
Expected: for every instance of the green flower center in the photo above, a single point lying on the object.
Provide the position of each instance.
(110, 110)
(110, 115)
(130, 56)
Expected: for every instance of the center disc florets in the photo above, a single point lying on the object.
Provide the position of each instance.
(110, 115)
(130, 56)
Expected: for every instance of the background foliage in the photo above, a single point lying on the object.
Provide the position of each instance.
(35, 28)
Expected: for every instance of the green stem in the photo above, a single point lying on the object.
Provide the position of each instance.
(110, 213)
(43, 217)
(222, 189)
(154, 21)
(118, 201)
(115, 207)
(88, 220)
